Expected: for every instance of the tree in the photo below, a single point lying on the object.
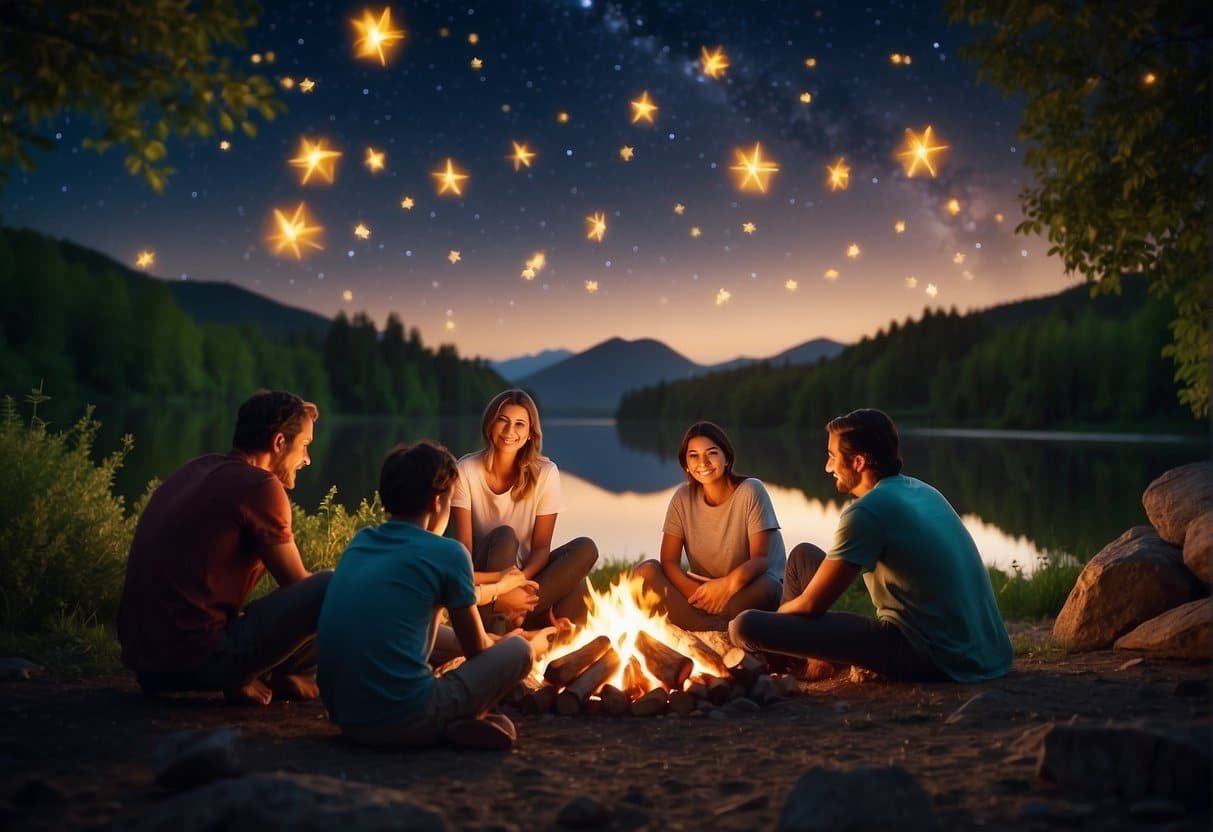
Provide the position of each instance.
(143, 70)
(1117, 121)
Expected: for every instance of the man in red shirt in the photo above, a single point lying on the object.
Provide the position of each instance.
(208, 534)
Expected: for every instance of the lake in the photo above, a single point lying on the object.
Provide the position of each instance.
(1023, 496)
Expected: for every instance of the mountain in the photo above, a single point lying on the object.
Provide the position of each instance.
(513, 369)
(809, 352)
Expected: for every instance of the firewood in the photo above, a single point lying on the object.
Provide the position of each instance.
(681, 702)
(614, 701)
(705, 655)
(651, 704)
(635, 681)
(670, 667)
(568, 667)
(538, 701)
(698, 690)
(787, 684)
(743, 666)
(575, 694)
(763, 690)
(719, 690)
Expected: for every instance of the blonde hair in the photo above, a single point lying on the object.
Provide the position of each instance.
(530, 457)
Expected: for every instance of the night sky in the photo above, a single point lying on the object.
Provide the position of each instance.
(788, 281)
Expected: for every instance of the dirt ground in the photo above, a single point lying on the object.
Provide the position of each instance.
(76, 753)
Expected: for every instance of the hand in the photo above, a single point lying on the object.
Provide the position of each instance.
(712, 596)
(563, 626)
(513, 578)
(516, 603)
(541, 640)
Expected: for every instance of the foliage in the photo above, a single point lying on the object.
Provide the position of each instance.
(142, 71)
(323, 536)
(1039, 595)
(1117, 121)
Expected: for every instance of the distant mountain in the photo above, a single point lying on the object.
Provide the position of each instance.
(807, 353)
(513, 369)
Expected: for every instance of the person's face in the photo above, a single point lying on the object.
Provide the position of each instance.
(511, 429)
(705, 460)
(846, 478)
(292, 456)
(443, 515)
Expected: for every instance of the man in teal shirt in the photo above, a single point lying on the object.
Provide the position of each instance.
(935, 612)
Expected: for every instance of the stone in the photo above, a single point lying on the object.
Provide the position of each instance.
(17, 669)
(1130, 760)
(859, 799)
(1134, 578)
(763, 691)
(1197, 542)
(1179, 633)
(1177, 498)
(277, 802)
(195, 758)
(583, 812)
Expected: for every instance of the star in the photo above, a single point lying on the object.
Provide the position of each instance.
(225, 145)
(528, 273)
(695, 232)
(522, 156)
(853, 251)
(374, 159)
(373, 37)
(477, 63)
(911, 282)
(831, 274)
(591, 286)
(454, 256)
(722, 297)
(806, 97)
(450, 325)
(562, 117)
(407, 203)
(899, 226)
(307, 85)
(144, 259)
(362, 232)
(473, 38)
(810, 62)
(790, 285)
(347, 296)
(1149, 79)
(679, 208)
(287, 82)
(626, 153)
(537, 261)
(713, 63)
(958, 258)
(953, 206)
(449, 179)
(643, 109)
(596, 227)
(932, 290)
(999, 218)
(966, 274)
(918, 152)
(840, 175)
(294, 232)
(754, 169)
(316, 158)
(748, 227)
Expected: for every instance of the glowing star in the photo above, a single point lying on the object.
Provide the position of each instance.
(953, 206)
(626, 153)
(595, 227)
(316, 158)
(790, 285)
(713, 63)
(453, 256)
(918, 152)
(748, 227)
(374, 160)
(374, 36)
(895, 58)
(144, 259)
(449, 179)
(853, 251)
(562, 117)
(643, 109)
(287, 82)
(911, 282)
(695, 232)
(966, 274)
(958, 258)
(522, 156)
(307, 85)
(450, 325)
(537, 261)
(999, 218)
(528, 273)
(407, 203)
(679, 209)
(753, 169)
(225, 145)
(810, 63)
(591, 286)
(347, 296)
(294, 232)
(900, 226)
(1149, 79)
(831, 274)
(473, 38)
(477, 63)
(722, 297)
(806, 98)
(932, 290)
(840, 175)
(362, 232)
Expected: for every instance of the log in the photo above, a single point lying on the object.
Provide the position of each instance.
(705, 655)
(698, 689)
(651, 704)
(538, 701)
(719, 690)
(681, 702)
(635, 681)
(743, 666)
(670, 667)
(787, 684)
(575, 694)
(763, 690)
(568, 667)
(614, 701)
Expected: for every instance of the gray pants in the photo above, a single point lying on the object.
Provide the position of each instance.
(464, 693)
(562, 583)
(761, 593)
(275, 634)
(837, 637)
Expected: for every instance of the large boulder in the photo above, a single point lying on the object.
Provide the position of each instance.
(1177, 498)
(1179, 633)
(1197, 543)
(1134, 578)
(862, 800)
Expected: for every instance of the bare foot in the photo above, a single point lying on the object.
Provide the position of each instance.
(815, 670)
(294, 688)
(255, 692)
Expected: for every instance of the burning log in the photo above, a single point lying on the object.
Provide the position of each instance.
(565, 669)
(575, 694)
(670, 667)
(719, 690)
(705, 655)
(743, 666)
(651, 704)
(635, 681)
(614, 701)
(538, 701)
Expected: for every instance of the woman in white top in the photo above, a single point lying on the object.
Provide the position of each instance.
(504, 511)
(726, 524)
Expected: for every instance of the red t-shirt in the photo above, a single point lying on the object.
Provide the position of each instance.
(195, 558)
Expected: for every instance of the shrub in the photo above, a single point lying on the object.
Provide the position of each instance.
(323, 536)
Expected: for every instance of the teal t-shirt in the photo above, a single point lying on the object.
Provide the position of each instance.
(925, 575)
(379, 620)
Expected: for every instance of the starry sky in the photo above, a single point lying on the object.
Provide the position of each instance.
(712, 294)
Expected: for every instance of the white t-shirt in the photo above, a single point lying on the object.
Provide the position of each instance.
(717, 538)
(490, 510)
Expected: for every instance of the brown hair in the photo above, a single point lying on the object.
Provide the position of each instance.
(716, 433)
(869, 433)
(269, 412)
(413, 474)
(530, 457)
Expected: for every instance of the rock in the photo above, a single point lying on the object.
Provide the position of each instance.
(763, 691)
(860, 799)
(195, 758)
(1127, 759)
(276, 802)
(1197, 543)
(1179, 633)
(1177, 498)
(1134, 578)
(583, 812)
(17, 669)
(740, 706)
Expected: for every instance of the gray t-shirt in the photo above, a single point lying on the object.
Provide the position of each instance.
(717, 538)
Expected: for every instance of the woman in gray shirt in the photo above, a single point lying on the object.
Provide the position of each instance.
(727, 526)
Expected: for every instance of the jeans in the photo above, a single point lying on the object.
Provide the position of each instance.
(760, 593)
(562, 582)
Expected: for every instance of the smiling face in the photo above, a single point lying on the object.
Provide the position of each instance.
(511, 429)
(846, 478)
(290, 456)
(705, 461)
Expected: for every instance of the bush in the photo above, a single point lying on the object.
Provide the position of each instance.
(323, 536)
(1041, 595)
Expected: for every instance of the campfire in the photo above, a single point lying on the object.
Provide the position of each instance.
(628, 658)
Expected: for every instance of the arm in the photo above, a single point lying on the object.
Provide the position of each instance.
(465, 621)
(671, 565)
(284, 563)
(541, 545)
(832, 579)
(713, 596)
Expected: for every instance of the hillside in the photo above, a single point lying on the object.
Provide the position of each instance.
(513, 369)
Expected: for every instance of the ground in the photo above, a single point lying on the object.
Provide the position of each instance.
(76, 753)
